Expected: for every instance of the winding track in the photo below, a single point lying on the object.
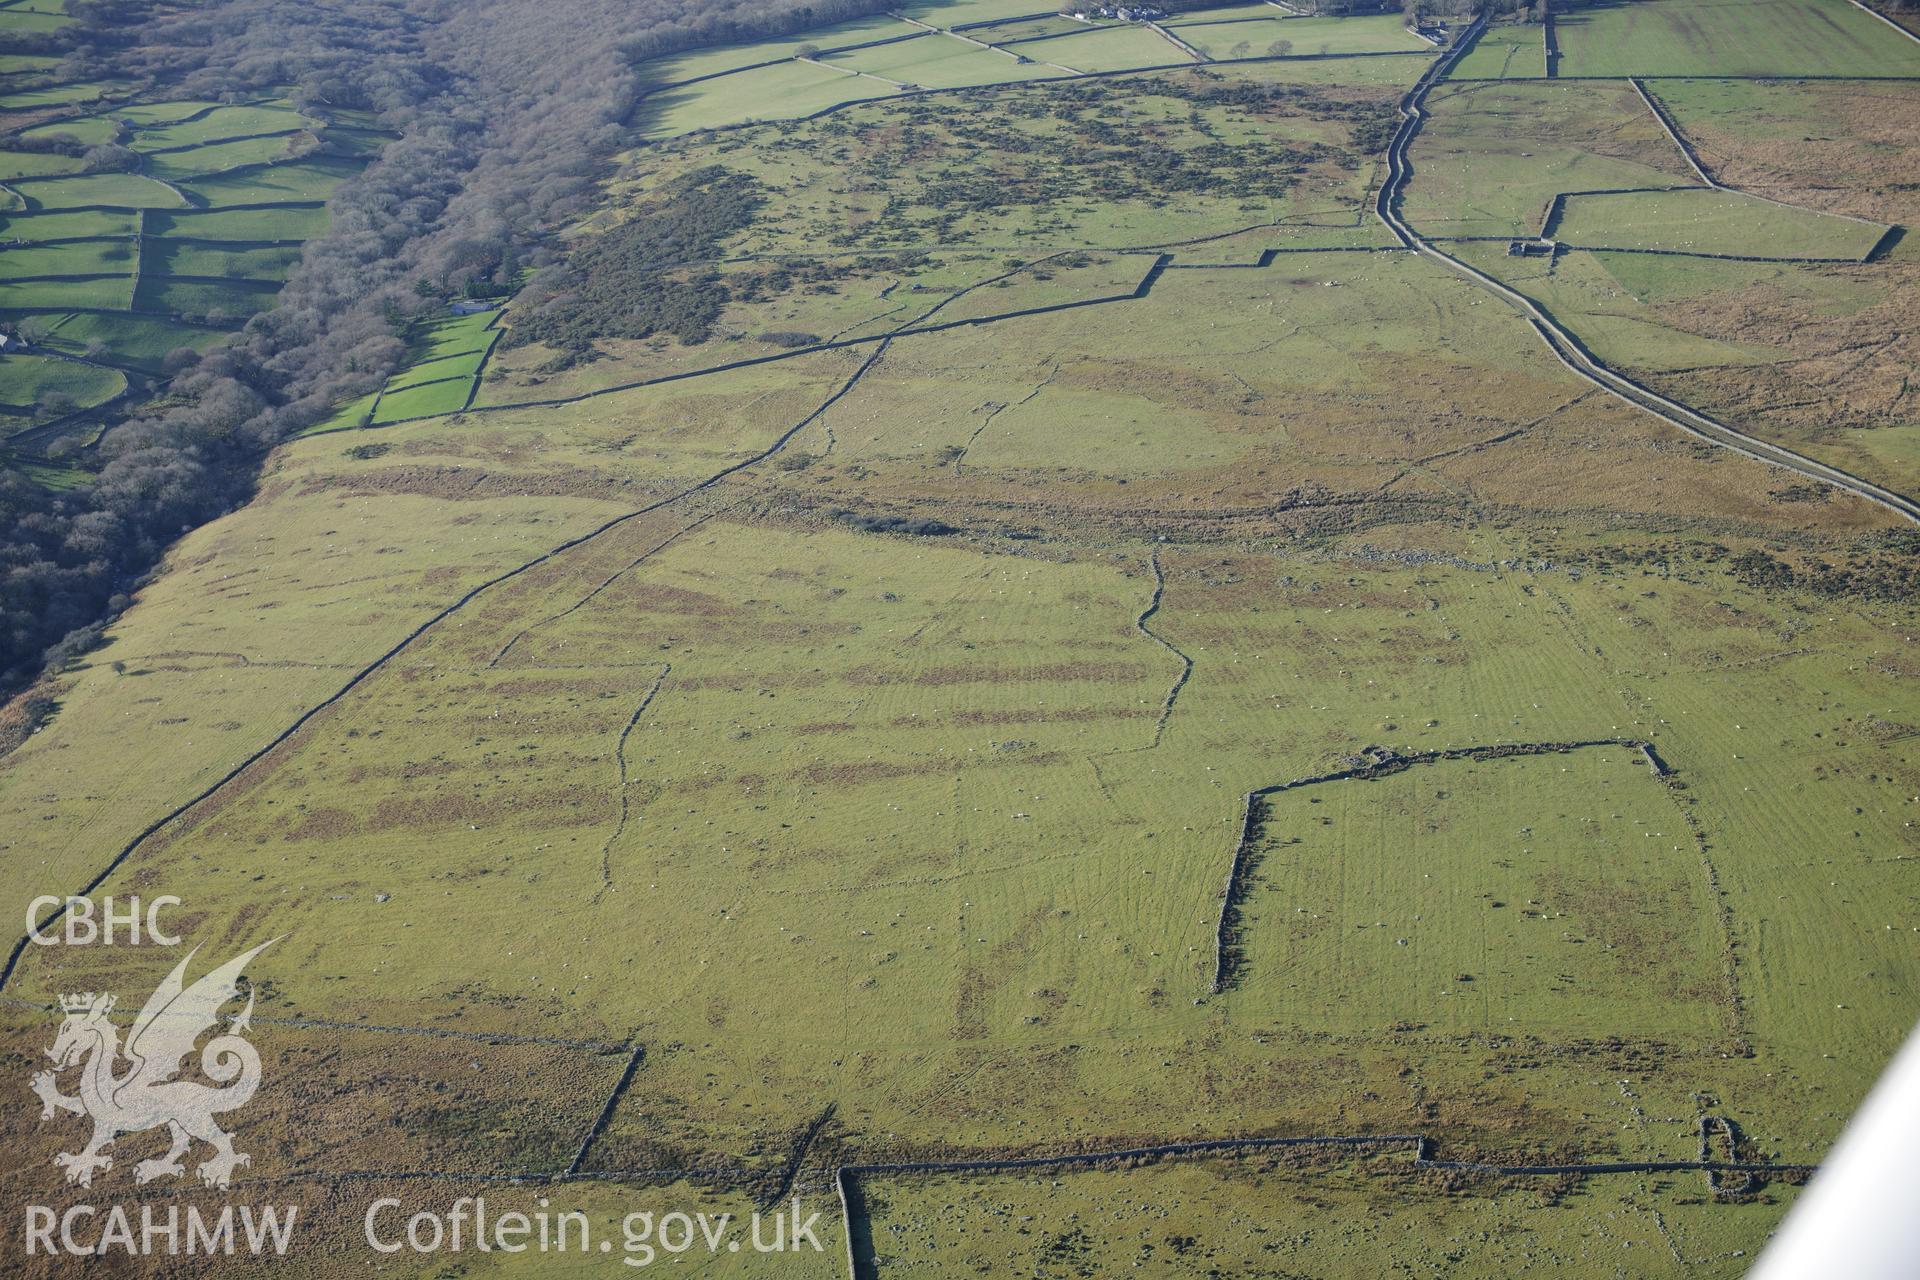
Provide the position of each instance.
(1567, 348)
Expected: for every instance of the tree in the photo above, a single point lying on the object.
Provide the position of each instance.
(1280, 48)
(110, 157)
(508, 115)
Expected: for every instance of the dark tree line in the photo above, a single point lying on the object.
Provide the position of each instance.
(508, 113)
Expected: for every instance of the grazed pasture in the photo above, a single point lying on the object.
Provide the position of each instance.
(841, 702)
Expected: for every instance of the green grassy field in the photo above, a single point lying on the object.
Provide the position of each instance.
(206, 123)
(118, 190)
(424, 400)
(461, 365)
(215, 301)
(1382, 33)
(35, 164)
(57, 96)
(1524, 865)
(1504, 53)
(289, 223)
(147, 115)
(706, 62)
(20, 64)
(111, 293)
(1731, 38)
(85, 257)
(139, 342)
(195, 283)
(65, 226)
(1113, 49)
(938, 63)
(1223, 13)
(60, 94)
(1495, 154)
(196, 162)
(444, 354)
(453, 335)
(954, 13)
(194, 137)
(1708, 221)
(1025, 29)
(26, 22)
(294, 181)
(92, 130)
(864, 731)
(163, 258)
(27, 381)
(1621, 305)
(779, 92)
(354, 413)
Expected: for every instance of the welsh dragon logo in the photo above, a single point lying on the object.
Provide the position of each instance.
(145, 1094)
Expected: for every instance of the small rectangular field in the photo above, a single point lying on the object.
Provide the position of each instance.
(1731, 38)
(110, 190)
(60, 95)
(941, 63)
(783, 91)
(216, 157)
(1552, 894)
(213, 301)
(1504, 53)
(293, 182)
(426, 400)
(36, 164)
(111, 293)
(67, 226)
(1109, 49)
(693, 65)
(220, 124)
(955, 13)
(232, 262)
(288, 222)
(1495, 153)
(78, 258)
(446, 355)
(1704, 220)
